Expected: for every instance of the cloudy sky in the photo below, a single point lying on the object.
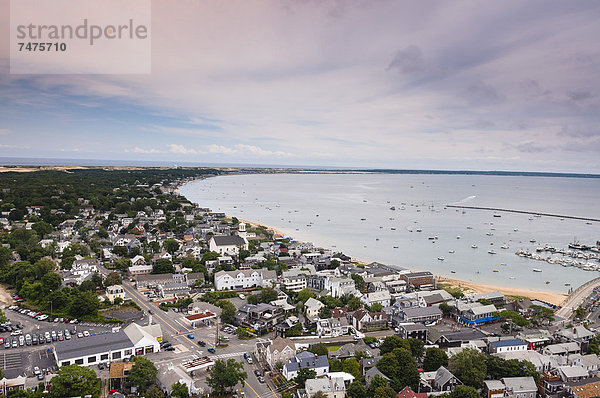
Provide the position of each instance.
(510, 85)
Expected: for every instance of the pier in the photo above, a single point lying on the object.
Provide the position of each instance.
(533, 213)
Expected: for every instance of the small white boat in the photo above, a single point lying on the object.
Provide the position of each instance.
(537, 270)
(457, 236)
(450, 251)
(441, 258)
(511, 277)
(504, 247)
(491, 252)
(474, 246)
(419, 230)
(469, 227)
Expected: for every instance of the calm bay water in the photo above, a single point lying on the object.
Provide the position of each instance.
(351, 213)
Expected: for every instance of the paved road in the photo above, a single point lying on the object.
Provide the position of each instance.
(175, 330)
(576, 298)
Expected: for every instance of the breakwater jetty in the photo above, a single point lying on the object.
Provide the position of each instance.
(499, 209)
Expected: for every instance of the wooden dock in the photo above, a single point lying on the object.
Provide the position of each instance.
(498, 209)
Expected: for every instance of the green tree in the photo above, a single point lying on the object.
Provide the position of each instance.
(384, 392)
(376, 307)
(74, 380)
(112, 278)
(267, 295)
(594, 345)
(51, 281)
(142, 374)
(324, 313)
(84, 303)
(416, 347)
(319, 349)
(464, 392)
(353, 304)
(122, 264)
(446, 309)
(42, 228)
(163, 266)
(407, 373)
(154, 392)
(469, 366)
(171, 245)
(223, 376)
(376, 382)
(434, 358)
(179, 390)
(392, 342)
(227, 310)
(118, 301)
(357, 390)
(497, 368)
(304, 295)
(517, 318)
(351, 366)
(305, 374)
(579, 313)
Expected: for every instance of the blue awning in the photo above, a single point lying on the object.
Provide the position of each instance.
(478, 321)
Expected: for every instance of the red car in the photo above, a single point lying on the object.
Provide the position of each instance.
(1, 340)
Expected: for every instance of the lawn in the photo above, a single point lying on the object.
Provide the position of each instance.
(333, 347)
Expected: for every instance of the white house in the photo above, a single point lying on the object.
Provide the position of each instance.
(114, 291)
(332, 387)
(279, 350)
(227, 244)
(507, 345)
(243, 279)
(312, 307)
(382, 297)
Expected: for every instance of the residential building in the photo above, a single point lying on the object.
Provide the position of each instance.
(507, 345)
(118, 375)
(419, 280)
(294, 283)
(364, 320)
(260, 316)
(312, 307)
(331, 387)
(332, 327)
(273, 351)
(520, 387)
(114, 291)
(413, 331)
(407, 392)
(444, 380)
(493, 389)
(156, 280)
(243, 279)
(306, 360)
(420, 314)
(382, 297)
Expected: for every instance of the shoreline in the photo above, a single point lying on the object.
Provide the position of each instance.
(473, 287)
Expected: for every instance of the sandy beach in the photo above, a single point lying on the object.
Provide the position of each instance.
(553, 298)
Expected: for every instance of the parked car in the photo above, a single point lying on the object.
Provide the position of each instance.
(170, 349)
(79, 335)
(190, 336)
(7, 344)
(212, 349)
(201, 343)
(86, 333)
(41, 339)
(257, 373)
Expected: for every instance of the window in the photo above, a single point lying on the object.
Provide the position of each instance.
(103, 357)
(65, 363)
(79, 361)
(149, 349)
(91, 359)
(116, 355)
(128, 352)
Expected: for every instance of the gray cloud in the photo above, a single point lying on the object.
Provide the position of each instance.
(408, 61)
(579, 95)
(483, 93)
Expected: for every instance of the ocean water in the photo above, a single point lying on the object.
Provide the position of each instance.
(351, 213)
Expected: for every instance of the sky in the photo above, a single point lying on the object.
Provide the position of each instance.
(461, 85)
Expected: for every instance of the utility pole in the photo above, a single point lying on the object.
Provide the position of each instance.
(217, 333)
(50, 301)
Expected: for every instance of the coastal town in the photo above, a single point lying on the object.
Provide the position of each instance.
(132, 290)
